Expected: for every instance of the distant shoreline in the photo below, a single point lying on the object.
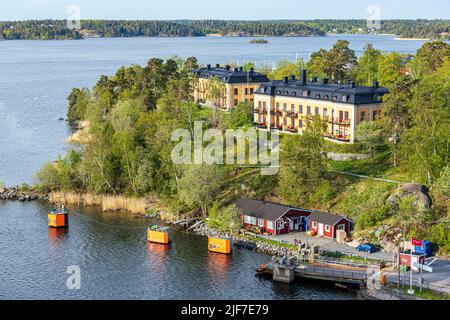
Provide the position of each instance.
(411, 39)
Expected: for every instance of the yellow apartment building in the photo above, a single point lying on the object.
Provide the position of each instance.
(236, 85)
(290, 103)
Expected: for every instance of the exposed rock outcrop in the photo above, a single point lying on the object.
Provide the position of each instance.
(417, 191)
(346, 156)
(21, 194)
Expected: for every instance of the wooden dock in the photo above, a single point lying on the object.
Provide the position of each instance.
(336, 274)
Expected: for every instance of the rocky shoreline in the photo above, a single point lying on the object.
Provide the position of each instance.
(22, 194)
(242, 242)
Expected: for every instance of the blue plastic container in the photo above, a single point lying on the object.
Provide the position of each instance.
(426, 248)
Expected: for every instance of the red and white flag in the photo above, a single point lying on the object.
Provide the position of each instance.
(416, 242)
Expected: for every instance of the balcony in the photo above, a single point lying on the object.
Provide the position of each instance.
(275, 126)
(338, 137)
(339, 121)
(260, 111)
(278, 113)
(260, 125)
(292, 114)
(292, 129)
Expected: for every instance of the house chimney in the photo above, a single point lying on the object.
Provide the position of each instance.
(325, 80)
(241, 69)
(236, 69)
(376, 84)
(353, 84)
(217, 65)
(303, 74)
(252, 70)
(209, 67)
(286, 80)
(314, 79)
(293, 77)
(228, 67)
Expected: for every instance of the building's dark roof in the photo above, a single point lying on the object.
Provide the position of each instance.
(263, 209)
(348, 93)
(230, 75)
(326, 218)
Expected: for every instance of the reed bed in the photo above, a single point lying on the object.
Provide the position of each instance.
(106, 202)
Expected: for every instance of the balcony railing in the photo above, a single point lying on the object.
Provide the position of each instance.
(261, 125)
(292, 114)
(339, 121)
(260, 111)
(278, 113)
(292, 129)
(338, 137)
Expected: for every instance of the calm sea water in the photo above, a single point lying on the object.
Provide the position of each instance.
(115, 260)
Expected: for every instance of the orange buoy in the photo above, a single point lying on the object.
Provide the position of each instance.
(159, 234)
(220, 244)
(58, 218)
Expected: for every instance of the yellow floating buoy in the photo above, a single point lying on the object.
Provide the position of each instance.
(159, 234)
(220, 244)
(58, 218)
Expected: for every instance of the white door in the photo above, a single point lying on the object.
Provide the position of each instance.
(320, 229)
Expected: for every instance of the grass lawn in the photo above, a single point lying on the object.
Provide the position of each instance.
(428, 294)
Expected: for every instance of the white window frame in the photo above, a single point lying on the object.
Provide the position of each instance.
(247, 219)
(253, 220)
(260, 222)
(327, 228)
(341, 225)
(314, 224)
(270, 225)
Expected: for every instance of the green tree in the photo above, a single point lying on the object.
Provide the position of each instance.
(339, 61)
(429, 58)
(302, 165)
(425, 146)
(370, 135)
(214, 92)
(389, 69)
(440, 191)
(368, 64)
(199, 185)
(396, 112)
(239, 117)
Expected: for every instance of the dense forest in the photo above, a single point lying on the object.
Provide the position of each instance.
(125, 146)
(57, 29)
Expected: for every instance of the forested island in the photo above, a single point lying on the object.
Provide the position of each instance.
(57, 29)
(124, 148)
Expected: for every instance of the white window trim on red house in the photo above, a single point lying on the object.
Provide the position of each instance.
(260, 222)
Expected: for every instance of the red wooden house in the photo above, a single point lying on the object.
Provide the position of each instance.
(326, 224)
(271, 217)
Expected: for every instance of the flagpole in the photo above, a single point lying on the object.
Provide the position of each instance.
(411, 268)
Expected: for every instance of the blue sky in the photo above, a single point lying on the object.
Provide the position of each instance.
(229, 9)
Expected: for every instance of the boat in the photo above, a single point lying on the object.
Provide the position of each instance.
(159, 234)
(220, 244)
(59, 217)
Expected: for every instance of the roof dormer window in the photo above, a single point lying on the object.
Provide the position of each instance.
(345, 98)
